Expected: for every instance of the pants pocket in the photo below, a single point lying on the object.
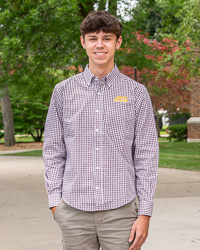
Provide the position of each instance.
(134, 207)
(58, 207)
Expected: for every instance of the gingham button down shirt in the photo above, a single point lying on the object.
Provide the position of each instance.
(100, 143)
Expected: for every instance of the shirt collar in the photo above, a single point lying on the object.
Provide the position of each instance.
(89, 76)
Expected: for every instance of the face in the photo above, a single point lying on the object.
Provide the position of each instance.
(100, 49)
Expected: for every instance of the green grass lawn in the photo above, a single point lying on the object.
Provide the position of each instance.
(21, 138)
(24, 138)
(179, 155)
(28, 153)
(163, 130)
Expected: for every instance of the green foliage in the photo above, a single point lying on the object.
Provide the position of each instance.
(189, 30)
(147, 16)
(177, 19)
(190, 21)
(85, 6)
(102, 4)
(29, 118)
(35, 35)
(169, 19)
(133, 52)
(178, 132)
(157, 17)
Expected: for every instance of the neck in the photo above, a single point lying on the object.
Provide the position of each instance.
(101, 71)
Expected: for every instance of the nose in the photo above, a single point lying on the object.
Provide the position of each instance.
(99, 43)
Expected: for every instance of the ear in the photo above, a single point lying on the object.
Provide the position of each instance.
(82, 41)
(119, 42)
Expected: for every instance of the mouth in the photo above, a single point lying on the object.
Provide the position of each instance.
(100, 53)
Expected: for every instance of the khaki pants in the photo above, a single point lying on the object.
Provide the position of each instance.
(109, 229)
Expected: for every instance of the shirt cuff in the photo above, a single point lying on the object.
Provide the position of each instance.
(54, 199)
(145, 208)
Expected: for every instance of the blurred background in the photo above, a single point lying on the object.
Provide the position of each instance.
(39, 47)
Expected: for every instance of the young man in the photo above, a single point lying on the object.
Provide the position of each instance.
(101, 148)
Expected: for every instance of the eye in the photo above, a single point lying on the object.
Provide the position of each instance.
(92, 39)
(107, 39)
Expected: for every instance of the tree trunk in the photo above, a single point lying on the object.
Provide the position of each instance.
(8, 123)
(39, 133)
(157, 121)
(158, 125)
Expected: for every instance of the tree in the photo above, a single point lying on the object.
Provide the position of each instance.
(157, 17)
(172, 18)
(29, 118)
(189, 26)
(37, 37)
(167, 91)
(33, 36)
(30, 105)
(189, 30)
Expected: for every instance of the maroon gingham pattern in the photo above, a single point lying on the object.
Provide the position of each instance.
(100, 153)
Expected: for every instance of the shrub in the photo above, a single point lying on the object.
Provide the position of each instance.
(178, 132)
(29, 118)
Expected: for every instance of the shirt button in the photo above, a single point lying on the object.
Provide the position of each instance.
(97, 130)
(97, 188)
(97, 110)
(97, 167)
(97, 149)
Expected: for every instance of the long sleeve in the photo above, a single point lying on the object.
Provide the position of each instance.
(145, 151)
(54, 153)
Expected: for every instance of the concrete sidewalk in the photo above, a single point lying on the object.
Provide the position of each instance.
(27, 224)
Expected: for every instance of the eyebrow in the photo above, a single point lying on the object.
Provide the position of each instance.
(108, 35)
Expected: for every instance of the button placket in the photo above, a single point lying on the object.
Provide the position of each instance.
(98, 147)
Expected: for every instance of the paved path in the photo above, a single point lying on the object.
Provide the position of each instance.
(27, 224)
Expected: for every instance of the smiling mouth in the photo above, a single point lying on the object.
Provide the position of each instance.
(100, 53)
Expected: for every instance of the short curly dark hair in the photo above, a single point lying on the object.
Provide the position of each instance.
(97, 21)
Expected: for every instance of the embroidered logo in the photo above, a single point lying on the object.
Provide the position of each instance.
(121, 99)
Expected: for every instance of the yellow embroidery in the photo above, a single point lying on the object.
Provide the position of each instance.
(121, 99)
